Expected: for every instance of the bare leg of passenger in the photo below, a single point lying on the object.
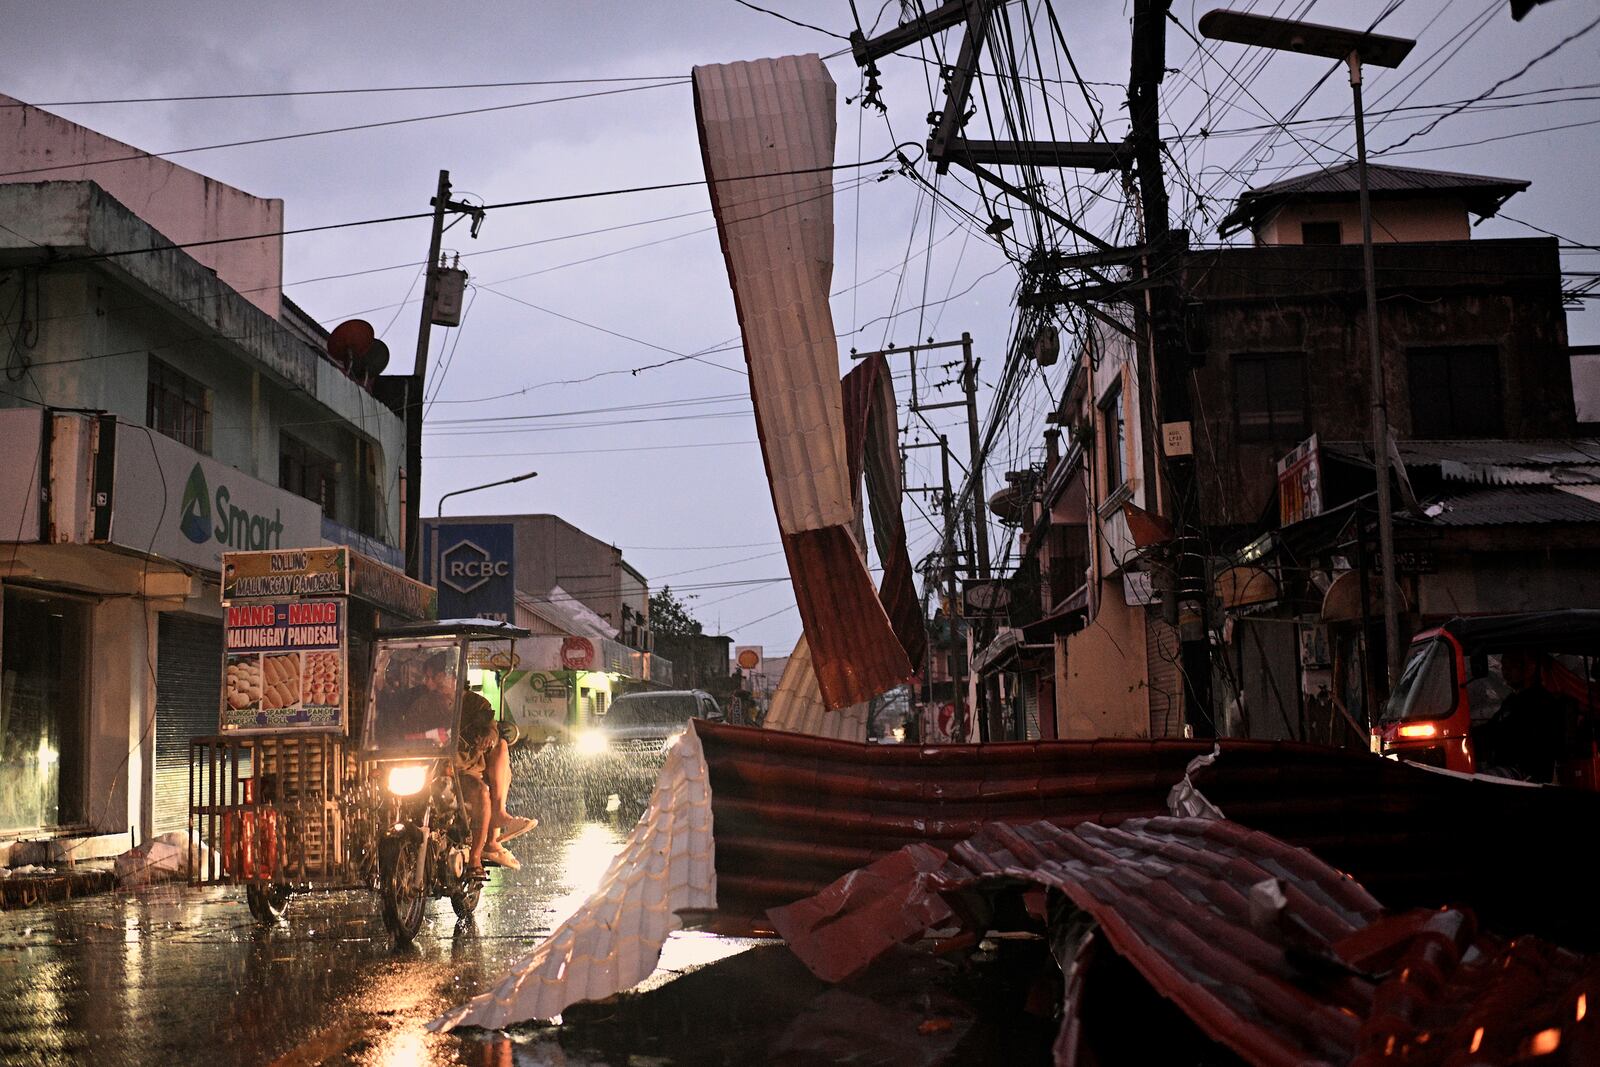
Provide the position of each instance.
(497, 775)
(476, 796)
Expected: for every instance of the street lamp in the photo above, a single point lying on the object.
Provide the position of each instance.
(1355, 48)
(485, 485)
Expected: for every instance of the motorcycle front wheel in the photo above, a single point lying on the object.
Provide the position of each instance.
(404, 900)
(267, 902)
(466, 901)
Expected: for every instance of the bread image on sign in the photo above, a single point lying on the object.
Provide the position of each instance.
(322, 683)
(280, 680)
(241, 682)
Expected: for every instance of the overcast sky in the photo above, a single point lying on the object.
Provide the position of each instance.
(674, 477)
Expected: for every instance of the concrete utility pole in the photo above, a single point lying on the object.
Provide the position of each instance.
(1355, 48)
(977, 534)
(442, 205)
(963, 716)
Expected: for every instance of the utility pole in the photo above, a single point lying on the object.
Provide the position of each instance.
(976, 533)
(957, 684)
(1168, 364)
(442, 205)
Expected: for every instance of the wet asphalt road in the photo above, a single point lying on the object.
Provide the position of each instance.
(176, 975)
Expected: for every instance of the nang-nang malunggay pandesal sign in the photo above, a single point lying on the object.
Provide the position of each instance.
(284, 666)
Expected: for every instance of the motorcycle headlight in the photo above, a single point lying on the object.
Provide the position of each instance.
(592, 743)
(407, 779)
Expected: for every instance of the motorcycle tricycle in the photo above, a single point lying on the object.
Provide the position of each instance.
(284, 815)
(419, 676)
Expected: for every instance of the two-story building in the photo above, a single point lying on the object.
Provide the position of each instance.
(162, 404)
(1474, 346)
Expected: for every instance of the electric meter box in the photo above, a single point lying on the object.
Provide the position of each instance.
(450, 286)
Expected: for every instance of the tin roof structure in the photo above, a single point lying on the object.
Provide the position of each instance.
(1483, 194)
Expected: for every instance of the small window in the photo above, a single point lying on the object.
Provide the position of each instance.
(1321, 233)
(178, 406)
(1116, 439)
(1269, 395)
(1455, 392)
(306, 472)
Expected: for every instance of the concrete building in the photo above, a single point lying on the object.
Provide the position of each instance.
(1475, 347)
(161, 405)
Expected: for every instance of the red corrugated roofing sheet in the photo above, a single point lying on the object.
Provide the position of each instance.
(793, 813)
(1269, 951)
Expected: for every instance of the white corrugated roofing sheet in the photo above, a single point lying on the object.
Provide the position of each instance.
(775, 118)
(767, 140)
(613, 941)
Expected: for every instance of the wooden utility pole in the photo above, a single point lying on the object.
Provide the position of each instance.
(1168, 363)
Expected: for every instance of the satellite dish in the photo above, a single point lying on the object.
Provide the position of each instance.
(371, 363)
(349, 341)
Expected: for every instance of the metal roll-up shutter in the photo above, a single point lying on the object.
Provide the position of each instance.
(188, 688)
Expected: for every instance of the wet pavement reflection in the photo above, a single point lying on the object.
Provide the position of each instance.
(175, 975)
(172, 974)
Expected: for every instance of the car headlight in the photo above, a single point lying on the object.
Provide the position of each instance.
(592, 743)
(407, 779)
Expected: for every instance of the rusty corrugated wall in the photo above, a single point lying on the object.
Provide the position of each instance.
(767, 138)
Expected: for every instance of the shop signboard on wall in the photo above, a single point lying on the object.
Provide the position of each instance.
(473, 564)
(170, 501)
(293, 572)
(1300, 483)
(390, 590)
(537, 702)
(284, 665)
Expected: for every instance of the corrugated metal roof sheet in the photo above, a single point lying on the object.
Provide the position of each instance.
(614, 939)
(797, 705)
(767, 141)
(1268, 950)
(1491, 452)
(1519, 505)
(1382, 177)
(1483, 194)
(793, 813)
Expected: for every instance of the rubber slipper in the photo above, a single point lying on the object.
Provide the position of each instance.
(515, 826)
(503, 858)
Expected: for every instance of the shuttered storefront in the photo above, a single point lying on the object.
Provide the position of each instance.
(188, 687)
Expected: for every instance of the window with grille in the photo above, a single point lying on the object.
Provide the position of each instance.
(306, 472)
(178, 406)
(1455, 392)
(1269, 396)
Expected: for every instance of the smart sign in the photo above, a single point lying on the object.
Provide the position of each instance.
(474, 567)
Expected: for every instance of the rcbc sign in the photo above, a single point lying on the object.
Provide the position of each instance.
(467, 566)
(474, 567)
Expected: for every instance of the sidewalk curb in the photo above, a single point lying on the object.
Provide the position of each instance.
(26, 890)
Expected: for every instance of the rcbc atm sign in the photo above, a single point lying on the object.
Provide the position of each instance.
(474, 567)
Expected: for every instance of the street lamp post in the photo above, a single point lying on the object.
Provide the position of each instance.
(1355, 48)
(485, 485)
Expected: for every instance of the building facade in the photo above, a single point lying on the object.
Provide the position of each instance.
(159, 408)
